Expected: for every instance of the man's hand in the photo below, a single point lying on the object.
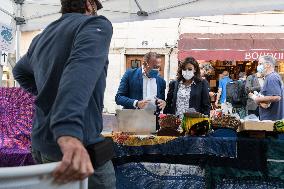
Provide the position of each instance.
(264, 105)
(76, 163)
(260, 101)
(252, 96)
(161, 104)
(142, 103)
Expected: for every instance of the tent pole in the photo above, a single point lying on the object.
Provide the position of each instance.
(19, 21)
(18, 32)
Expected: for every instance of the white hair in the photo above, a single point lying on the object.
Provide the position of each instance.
(267, 59)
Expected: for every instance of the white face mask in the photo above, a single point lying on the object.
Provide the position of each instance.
(187, 75)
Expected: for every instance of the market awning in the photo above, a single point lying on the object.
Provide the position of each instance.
(36, 14)
(231, 46)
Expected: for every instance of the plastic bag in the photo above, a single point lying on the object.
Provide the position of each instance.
(251, 117)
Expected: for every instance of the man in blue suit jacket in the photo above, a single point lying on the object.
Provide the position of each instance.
(141, 86)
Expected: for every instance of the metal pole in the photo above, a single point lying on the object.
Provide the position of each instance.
(19, 21)
(18, 33)
(169, 66)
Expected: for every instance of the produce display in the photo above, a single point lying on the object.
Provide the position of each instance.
(226, 121)
(195, 124)
(279, 126)
(169, 125)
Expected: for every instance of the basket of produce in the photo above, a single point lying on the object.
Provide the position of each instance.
(169, 125)
(226, 121)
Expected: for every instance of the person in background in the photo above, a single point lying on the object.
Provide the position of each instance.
(221, 95)
(270, 101)
(205, 70)
(240, 107)
(254, 83)
(66, 68)
(140, 87)
(189, 91)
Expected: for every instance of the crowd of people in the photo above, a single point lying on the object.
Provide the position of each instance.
(260, 94)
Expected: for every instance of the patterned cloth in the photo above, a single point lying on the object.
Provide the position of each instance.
(221, 147)
(197, 162)
(159, 175)
(16, 114)
(249, 184)
(183, 97)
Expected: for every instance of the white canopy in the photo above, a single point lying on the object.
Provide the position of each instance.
(39, 13)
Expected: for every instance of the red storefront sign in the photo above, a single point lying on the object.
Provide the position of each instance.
(243, 46)
(229, 54)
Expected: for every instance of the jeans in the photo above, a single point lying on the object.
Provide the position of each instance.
(103, 177)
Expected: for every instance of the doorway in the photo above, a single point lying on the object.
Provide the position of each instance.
(136, 61)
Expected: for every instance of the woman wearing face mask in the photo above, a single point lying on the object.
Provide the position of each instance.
(189, 91)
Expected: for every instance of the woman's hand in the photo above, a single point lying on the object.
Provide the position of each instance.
(161, 104)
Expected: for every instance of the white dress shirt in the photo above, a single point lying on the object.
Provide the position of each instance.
(149, 88)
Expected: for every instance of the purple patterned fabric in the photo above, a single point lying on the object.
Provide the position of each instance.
(16, 113)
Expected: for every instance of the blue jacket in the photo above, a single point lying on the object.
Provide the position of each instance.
(66, 67)
(131, 88)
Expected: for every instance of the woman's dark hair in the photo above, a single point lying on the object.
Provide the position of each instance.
(192, 61)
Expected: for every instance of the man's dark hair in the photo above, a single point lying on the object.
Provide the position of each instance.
(73, 6)
(149, 56)
(225, 73)
(77, 6)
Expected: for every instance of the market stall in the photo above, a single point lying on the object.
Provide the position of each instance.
(217, 159)
(202, 156)
(198, 162)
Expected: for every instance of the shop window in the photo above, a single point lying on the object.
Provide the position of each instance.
(281, 67)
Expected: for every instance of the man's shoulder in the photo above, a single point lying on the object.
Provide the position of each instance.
(250, 77)
(273, 77)
(223, 80)
(78, 17)
(80, 21)
(132, 71)
(161, 78)
(100, 19)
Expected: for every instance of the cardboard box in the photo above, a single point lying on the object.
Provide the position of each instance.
(257, 126)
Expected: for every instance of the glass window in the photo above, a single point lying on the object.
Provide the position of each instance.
(135, 63)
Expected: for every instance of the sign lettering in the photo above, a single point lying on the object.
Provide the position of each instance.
(255, 55)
